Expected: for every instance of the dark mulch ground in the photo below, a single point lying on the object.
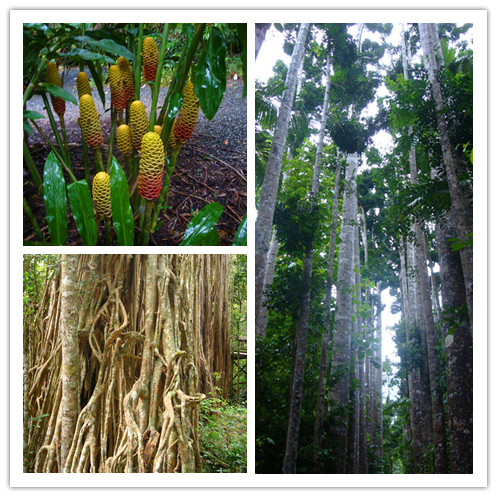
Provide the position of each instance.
(211, 167)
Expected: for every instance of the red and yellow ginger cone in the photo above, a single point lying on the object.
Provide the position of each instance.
(101, 194)
(124, 140)
(83, 84)
(128, 80)
(89, 121)
(150, 58)
(138, 122)
(151, 167)
(53, 77)
(187, 116)
(117, 95)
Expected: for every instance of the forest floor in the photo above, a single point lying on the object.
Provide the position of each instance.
(211, 166)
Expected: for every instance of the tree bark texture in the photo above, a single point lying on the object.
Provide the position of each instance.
(269, 188)
(343, 318)
(461, 205)
(149, 333)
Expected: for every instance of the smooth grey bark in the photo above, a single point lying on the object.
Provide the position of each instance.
(269, 188)
(460, 204)
(70, 373)
(378, 377)
(325, 343)
(297, 383)
(343, 317)
(260, 34)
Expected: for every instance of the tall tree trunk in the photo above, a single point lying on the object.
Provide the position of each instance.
(325, 343)
(70, 354)
(458, 353)
(343, 318)
(273, 170)
(461, 206)
(297, 385)
(260, 34)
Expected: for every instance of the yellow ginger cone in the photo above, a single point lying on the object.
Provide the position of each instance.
(101, 194)
(138, 122)
(128, 80)
(158, 129)
(89, 121)
(117, 95)
(188, 114)
(150, 58)
(151, 166)
(83, 84)
(53, 77)
(124, 140)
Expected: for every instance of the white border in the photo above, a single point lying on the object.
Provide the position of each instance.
(18, 479)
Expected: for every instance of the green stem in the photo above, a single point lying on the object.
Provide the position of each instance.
(158, 77)
(31, 217)
(86, 158)
(148, 220)
(111, 138)
(164, 194)
(98, 158)
(32, 167)
(138, 66)
(108, 234)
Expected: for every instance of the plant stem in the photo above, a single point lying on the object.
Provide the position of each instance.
(98, 158)
(108, 234)
(138, 62)
(32, 167)
(158, 77)
(164, 194)
(111, 138)
(31, 217)
(146, 227)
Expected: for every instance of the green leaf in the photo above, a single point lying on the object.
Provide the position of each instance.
(32, 114)
(175, 103)
(97, 78)
(83, 54)
(201, 230)
(82, 211)
(209, 75)
(54, 196)
(241, 233)
(57, 91)
(122, 215)
(109, 46)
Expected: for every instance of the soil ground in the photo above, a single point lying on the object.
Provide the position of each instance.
(211, 166)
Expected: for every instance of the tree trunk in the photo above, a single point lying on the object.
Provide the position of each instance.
(272, 176)
(144, 343)
(325, 344)
(458, 353)
(260, 34)
(461, 206)
(70, 354)
(343, 318)
(297, 385)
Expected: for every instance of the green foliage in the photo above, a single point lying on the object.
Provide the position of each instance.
(223, 436)
(201, 230)
(82, 211)
(122, 215)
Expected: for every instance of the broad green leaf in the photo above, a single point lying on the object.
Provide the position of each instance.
(201, 230)
(175, 103)
(122, 215)
(209, 75)
(57, 91)
(109, 46)
(241, 233)
(82, 53)
(82, 211)
(54, 196)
